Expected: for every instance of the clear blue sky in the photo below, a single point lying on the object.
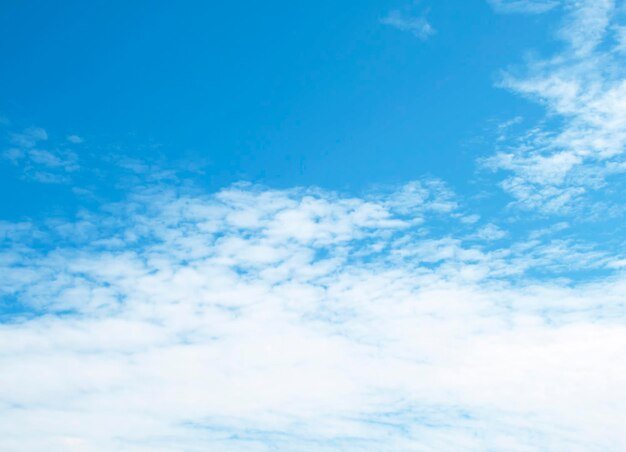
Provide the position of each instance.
(312, 226)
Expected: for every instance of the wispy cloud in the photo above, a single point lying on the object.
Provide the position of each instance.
(51, 166)
(29, 137)
(563, 160)
(416, 24)
(74, 139)
(43, 166)
(523, 6)
(489, 232)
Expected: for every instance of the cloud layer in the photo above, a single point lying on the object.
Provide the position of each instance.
(259, 319)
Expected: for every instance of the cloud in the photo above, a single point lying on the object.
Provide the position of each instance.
(49, 166)
(558, 165)
(51, 160)
(523, 6)
(489, 232)
(305, 319)
(587, 24)
(258, 319)
(619, 34)
(29, 137)
(74, 139)
(414, 24)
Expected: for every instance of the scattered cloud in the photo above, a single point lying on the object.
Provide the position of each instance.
(558, 165)
(50, 166)
(42, 165)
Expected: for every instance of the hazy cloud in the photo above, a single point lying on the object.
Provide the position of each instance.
(523, 6)
(414, 24)
(74, 139)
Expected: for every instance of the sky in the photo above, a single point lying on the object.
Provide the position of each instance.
(354, 226)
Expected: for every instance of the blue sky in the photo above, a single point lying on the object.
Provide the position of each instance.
(281, 226)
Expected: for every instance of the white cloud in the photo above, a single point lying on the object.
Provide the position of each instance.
(489, 232)
(414, 24)
(561, 162)
(587, 24)
(255, 319)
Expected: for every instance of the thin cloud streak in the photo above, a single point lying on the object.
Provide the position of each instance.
(523, 6)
